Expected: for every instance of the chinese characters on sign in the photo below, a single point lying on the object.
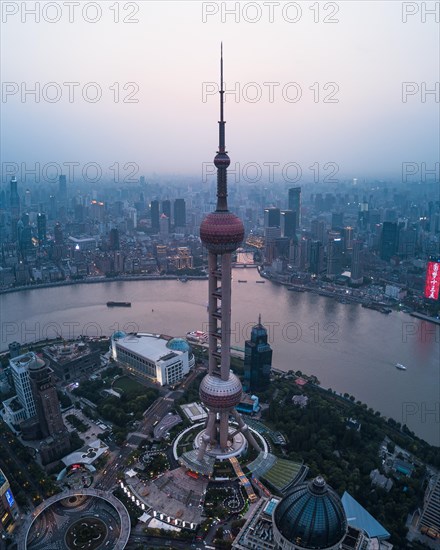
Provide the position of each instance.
(432, 283)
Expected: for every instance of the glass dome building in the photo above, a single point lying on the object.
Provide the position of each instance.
(310, 517)
(179, 344)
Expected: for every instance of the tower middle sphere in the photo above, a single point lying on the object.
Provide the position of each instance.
(222, 232)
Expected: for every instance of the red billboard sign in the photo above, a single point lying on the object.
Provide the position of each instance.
(432, 283)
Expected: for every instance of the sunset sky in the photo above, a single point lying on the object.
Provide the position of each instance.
(172, 53)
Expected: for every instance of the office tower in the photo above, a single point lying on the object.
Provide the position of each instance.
(271, 234)
(114, 239)
(179, 215)
(334, 254)
(14, 204)
(257, 359)
(430, 518)
(58, 233)
(407, 242)
(20, 375)
(317, 228)
(46, 400)
(220, 390)
(8, 507)
(142, 181)
(363, 215)
(389, 240)
(357, 267)
(41, 228)
(295, 204)
(348, 238)
(62, 190)
(288, 223)
(316, 257)
(166, 208)
(272, 217)
(27, 199)
(14, 199)
(154, 210)
(164, 226)
(337, 220)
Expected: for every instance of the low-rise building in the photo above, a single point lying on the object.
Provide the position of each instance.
(153, 356)
(70, 361)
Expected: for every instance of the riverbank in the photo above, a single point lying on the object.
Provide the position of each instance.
(95, 280)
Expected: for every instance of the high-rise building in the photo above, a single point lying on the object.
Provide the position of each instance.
(179, 215)
(430, 517)
(154, 209)
(220, 390)
(337, 220)
(316, 264)
(288, 223)
(58, 233)
(357, 267)
(8, 506)
(41, 228)
(295, 204)
(62, 190)
(257, 359)
(114, 239)
(334, 254)
(20, 374)
(272, 217)
(389, 240)
(166, 208)
(14, 203)
(164, 226)
(46, 400)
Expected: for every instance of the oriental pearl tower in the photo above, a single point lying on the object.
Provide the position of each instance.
(220, 390)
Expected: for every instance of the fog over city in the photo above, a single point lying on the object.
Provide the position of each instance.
(354, 84)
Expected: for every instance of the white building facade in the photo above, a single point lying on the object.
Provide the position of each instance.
(161, 360)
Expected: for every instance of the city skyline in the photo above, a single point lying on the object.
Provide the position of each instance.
(355, 110)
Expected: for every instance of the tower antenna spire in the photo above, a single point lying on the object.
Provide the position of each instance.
(221, 160)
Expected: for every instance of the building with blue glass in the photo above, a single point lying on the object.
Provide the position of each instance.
(257, 360)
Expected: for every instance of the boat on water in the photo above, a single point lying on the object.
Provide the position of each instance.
(118, 304)
(400, 366)
(261, 282)
(183, 279)
(197, 336)
(241, 281)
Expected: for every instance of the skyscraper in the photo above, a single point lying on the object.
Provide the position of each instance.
(288, 223)
(20, 374)
(389, 240)
(272, 217)
(334, 254)
(257, 359)
(155, 216)
(62, 190)
(46, 399)
(41, 228)
(220, 390)
(179, 214)
(295, 204)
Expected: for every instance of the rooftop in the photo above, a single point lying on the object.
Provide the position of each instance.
(153, 346)
(359, 518)
(63, 353)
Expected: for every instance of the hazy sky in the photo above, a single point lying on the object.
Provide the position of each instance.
(360, 60)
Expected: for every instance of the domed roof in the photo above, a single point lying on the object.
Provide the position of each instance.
(221, 232)
(311, 516)
(178, 344)
(118, 335)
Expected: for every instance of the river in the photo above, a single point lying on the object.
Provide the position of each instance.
(349, 348)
